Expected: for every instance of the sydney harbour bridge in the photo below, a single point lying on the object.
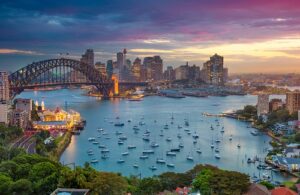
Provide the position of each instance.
(64, 72)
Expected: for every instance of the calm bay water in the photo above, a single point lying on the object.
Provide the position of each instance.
(156, 112)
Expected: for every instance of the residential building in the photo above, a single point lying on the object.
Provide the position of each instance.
(193, 72)
(285, 163)
(4, 86)
(293, 101)
(257, 189)
(275, 104)
(88, 57)
(213, 70)
(262, 104)
(20, 118)
(292, 152)
(24, 105)
(3, 112)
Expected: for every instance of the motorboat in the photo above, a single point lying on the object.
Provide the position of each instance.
(119, 133)
(230, 138)
(199, 151)
(119, 124)
(148, 152)
(146, 139)
(104, 156)
(94, 160)
(121, 161)
(239, 145)
(154, 145)
(160, 161)
(169, 153)
(120, 142)
(217, 150)
(179, 135)
(195, 136)
(166, 126)
(180, 145)
(190, 158)
(135, 165)
(169, 139)
(95, 142)
(179, 127)
(212, 145)
(136, 128)
(131, 147)
(105, 151)
(123, 137)
(175, 149)
(254, 132)
(125, 153)
(170, 165)
(91, 139)
(194, 141)
(102, 146)
(217, 156)
(143, 157)
(153, 168)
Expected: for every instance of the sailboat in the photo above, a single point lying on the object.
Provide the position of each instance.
(239, 145)
(230, 138)
(189, 157)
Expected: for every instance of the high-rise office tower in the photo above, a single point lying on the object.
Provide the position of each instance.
(88, 57)
(154, 68)
(109, 68)
(136, 69)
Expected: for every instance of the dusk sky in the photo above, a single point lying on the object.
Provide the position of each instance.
(252, 35)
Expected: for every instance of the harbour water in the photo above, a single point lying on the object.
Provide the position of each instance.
(155, 112)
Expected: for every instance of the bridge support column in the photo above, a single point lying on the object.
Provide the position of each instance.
(116, 85)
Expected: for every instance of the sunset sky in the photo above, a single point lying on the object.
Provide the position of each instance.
(252, 35)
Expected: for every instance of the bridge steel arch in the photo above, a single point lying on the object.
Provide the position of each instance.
(23, 78)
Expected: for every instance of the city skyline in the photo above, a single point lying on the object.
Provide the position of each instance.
(256, 36)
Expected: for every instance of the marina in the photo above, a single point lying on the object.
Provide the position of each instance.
(147, 127)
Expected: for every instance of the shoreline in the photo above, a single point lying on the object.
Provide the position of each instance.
(266, 132)
(56, 154)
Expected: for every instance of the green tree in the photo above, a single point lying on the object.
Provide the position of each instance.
(267, 184)
(21, 187)
(108, 183)
(5, 183)
(202, 181)
(149, 186)
(297, 137)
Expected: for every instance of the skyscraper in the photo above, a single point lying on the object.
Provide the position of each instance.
(109, 68)
(154, 67)
(213, 70)
(88, 57)
(101, 67)
(4, 86)
(136, 69)
(262, 104)
(121, 64)
(293, 101)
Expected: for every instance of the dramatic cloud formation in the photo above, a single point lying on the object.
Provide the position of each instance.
(252, 35)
